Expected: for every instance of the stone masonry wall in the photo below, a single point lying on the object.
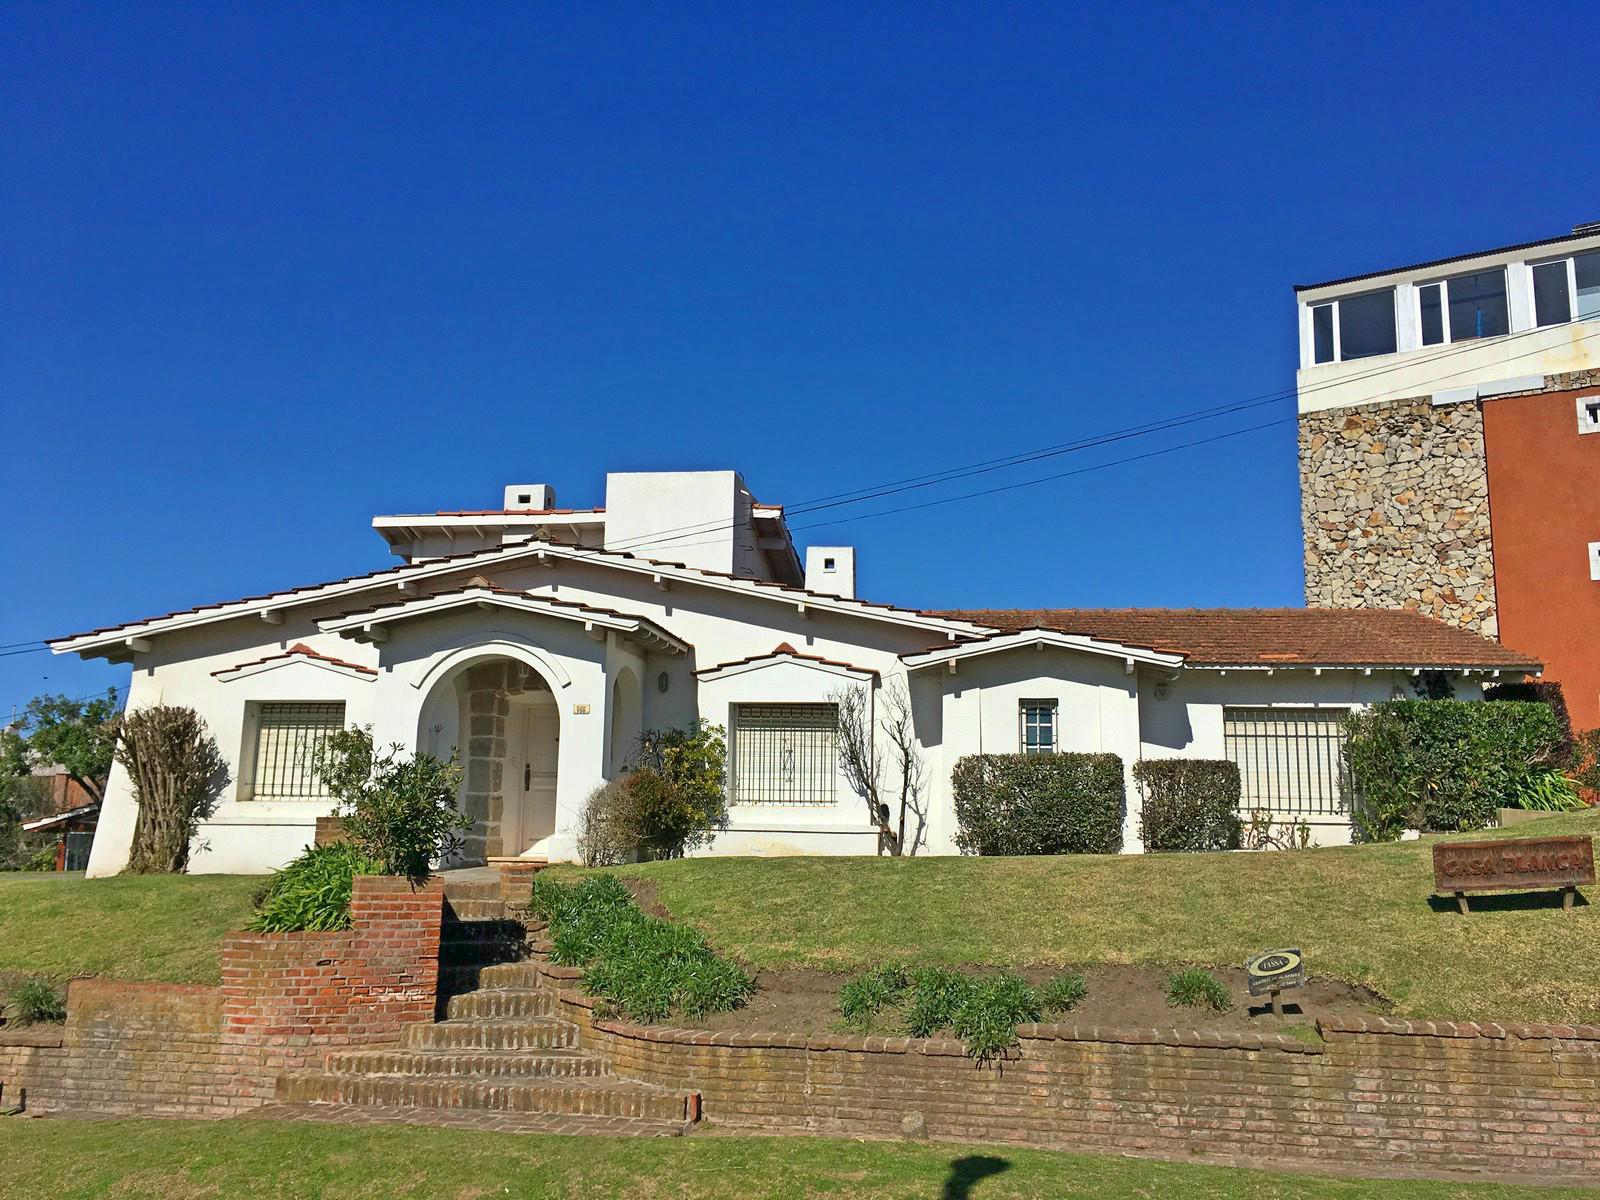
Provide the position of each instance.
(1516, 1100)
(1394, 502)
(286, 999)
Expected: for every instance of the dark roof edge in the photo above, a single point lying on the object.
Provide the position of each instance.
(1439, 262)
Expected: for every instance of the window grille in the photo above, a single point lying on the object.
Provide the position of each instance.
(287, 739)
(1038, 726)
(1289, 759)
(785, 753)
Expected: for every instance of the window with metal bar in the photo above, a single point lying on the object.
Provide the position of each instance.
(1289, 759)
(785, 753)
(1038, 726)
(287, 737)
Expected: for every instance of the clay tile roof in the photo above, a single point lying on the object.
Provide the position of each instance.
(785, 650)
(1268, 636)
(298, 650)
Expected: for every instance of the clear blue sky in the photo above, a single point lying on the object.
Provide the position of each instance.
(266, 271)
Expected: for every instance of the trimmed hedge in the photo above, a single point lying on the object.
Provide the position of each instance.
(1543, 692)
(1444, 764)
(1039, 803)
(1189, 803)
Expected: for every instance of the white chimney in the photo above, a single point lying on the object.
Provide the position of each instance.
(529, 496)
(832, 570)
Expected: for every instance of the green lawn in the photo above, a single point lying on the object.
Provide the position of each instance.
(161, 927)
(177, 1160)
(1359, 913)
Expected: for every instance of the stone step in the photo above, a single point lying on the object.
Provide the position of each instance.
(462, 1118)
(509, 975)
(492, 1004)
(604, 1097)
(534, 1033)
(486, 909)
(471, 889)
(498, 1064)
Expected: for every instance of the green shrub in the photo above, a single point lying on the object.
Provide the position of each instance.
(1062, 994)
(608, 830)
(1540, 691)
(1586, 764)
(34, 1001)
(679, 786)
(313, 891)
(1442, 764)
(863, 999)
(400, 811)
(637, 965)
(1194, 988)
(936, 995)
(1546, 791)
(986, 1020)
(1189, 804)
(1039, 803)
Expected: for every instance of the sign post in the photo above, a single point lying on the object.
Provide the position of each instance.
(1271, 971)
(1511, 864)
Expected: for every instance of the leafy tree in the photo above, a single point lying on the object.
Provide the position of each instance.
(77, 735)
(678, 788)
(177, 774)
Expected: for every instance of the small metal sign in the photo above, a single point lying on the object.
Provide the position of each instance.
(1274, 970)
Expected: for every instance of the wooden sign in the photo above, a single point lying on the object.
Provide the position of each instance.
(1269, 972)
(1526, 864)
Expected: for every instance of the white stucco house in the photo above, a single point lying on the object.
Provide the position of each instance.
(539, 641)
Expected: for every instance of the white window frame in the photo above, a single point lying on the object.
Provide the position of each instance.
(1571, 261)
(1589, 413)
(248, 765)
(1442, 282)
(1594, 561)
(1054, 708)
(1338, 333)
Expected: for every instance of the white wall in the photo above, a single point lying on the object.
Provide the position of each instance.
(678, 516)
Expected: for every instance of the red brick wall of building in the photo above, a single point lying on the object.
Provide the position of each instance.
(1544, 506)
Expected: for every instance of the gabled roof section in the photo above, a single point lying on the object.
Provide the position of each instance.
(128, 636)
(61, 818)
(1273, 637)
(371, 624)
(297, 653)
(783, 652)
(1042, 638)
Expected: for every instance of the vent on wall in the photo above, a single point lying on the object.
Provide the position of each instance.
(1589, 414)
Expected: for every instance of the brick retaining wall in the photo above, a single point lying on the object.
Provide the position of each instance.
(1440, 1097)
(285, 1000)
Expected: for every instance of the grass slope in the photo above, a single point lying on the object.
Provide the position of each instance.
(177, 1160)
(1360, 913)
(162, 927)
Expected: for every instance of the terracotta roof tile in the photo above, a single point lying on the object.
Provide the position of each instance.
(785, 650)
(298, 650)
(1268, 636)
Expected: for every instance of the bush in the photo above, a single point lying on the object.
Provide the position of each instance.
(1542, 692)
(1443, 764)
(637, 965)
(1039, 803)
(34, 1001)
(1062, 994)
(177, 773)
(679, 788)
(1546, 791)
(1194, 988)
(1586, 764)
(608, 832)
(982, 1012)
(1189, 804)
(313, 891)
(400, 811)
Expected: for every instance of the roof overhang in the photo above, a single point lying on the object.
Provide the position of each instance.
(402, 529)
(61, 818)
(786, 654)
(372, 625)
(303, 655)
(1496, 671)
(1132, 657)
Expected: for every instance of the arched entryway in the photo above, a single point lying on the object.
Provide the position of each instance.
(627, 711)
(500, 717)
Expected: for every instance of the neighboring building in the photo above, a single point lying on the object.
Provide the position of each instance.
(1450, 447)
(541, 641)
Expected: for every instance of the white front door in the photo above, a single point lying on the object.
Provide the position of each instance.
(529, 787)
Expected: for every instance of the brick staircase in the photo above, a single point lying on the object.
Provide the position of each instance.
(499, 1057)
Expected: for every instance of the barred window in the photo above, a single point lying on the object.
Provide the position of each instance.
(785, 753)
(284, 746)
(1038, 726)
(1288, 758)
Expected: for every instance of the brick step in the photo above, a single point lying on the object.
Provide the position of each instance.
(462, 1118)
(536, 1033)
(498, 1064)
(604, 1097)
(494, 1003)
(510, 975)
(463, 910)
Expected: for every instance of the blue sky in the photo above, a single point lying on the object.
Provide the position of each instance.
(266, 271)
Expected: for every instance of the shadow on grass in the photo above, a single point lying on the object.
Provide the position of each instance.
(966, 1172)
(1505, 901)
